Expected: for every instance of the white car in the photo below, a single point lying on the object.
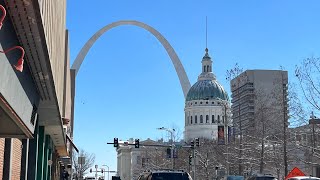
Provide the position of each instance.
(303, 178)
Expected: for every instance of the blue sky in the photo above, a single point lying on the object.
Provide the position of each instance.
(127, 85)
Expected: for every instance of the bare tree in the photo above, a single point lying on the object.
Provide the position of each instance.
(80, 170)
(308, 74)
(231, 74)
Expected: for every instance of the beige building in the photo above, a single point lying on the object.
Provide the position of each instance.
(259, 95)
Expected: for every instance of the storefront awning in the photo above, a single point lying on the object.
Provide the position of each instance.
(73, 145)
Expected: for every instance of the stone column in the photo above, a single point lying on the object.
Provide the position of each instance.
(33, 155)
(24, 159)
(40, 153)
(46, 157)
(7, 159)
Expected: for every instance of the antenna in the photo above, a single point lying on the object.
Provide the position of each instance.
(206, 33)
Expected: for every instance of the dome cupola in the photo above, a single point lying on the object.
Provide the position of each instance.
(207, 87)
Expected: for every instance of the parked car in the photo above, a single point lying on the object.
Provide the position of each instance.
(90, 178)
(234, 177)
(303, 178)
(262, 177)
(165, 175)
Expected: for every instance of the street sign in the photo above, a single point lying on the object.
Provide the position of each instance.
(81, 160)
(295, 172)
(221, 172)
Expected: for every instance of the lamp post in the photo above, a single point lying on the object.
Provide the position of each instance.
(108, 170)
(226, 129)
(313, 120)
(171, 131)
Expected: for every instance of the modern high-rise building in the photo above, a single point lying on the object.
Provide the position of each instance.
(259, 95)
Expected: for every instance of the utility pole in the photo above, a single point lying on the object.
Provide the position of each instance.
(96, 166)
(194, 160)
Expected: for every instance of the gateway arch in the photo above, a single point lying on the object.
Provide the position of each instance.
(183, 78)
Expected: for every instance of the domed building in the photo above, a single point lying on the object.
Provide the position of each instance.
(206, 105)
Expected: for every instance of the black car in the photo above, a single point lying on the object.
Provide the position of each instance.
(262, 177)
(165, 175)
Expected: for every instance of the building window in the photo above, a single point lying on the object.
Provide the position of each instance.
(195, 119)
(204, 68)
(222, 119)
(207, 118)
(190, 119)
(195, 103)
(201, 119)
(207, 102)
(139, 161)
(200, 102)
(218, 118)
(212, 102)
(212, 118)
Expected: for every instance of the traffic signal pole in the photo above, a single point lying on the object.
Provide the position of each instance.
(194, 163)
(194, 143)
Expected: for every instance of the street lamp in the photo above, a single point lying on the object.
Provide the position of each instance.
(108, 171)
(314, 121)
(171, 131)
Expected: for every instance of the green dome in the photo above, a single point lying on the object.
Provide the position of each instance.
(206, 90)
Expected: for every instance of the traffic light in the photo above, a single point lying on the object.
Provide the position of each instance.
(192, 144)
(136, 144)
(115, 142)
(197, 142)
(190, 159)
(101, 170)
(90, 170)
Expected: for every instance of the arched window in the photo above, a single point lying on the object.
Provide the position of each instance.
(222, 119)
(218, 118)
(195, 119)
(201, 119)
(207, 118)
(204, 68)
(208, 68)
(212, 118)
(190, 119)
